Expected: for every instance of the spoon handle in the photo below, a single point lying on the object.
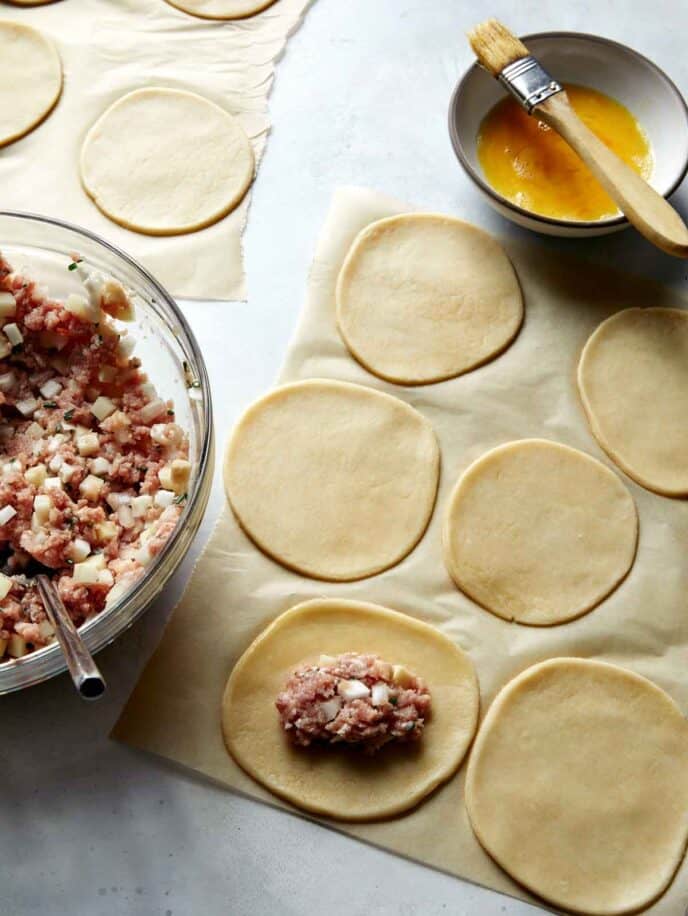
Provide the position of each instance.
(87, 678)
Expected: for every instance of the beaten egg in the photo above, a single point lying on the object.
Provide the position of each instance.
(529, 164)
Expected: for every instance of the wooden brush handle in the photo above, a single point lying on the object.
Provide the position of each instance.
(647, 210)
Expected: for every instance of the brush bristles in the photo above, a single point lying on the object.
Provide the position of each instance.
(495, 46)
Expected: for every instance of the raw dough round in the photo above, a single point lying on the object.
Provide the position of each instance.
(165, 161)
(577, 785)
(538, 532)
(334, 480)
(221, 9)
(342, 783)
(423, 297)
(633, 380)
(30, 79)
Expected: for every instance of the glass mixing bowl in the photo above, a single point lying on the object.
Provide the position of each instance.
(42, 248)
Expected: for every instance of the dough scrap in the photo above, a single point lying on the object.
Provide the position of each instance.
(221, 9)
(633, 381)
(423, 297)
(538, 532)
(333, 480)
(577, 785)
(30, 79)
(341, 783)
(166, 161)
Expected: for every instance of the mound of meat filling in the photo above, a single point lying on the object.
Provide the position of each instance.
(93, 468)
(355, 699)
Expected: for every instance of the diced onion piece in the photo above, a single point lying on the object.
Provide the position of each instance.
(125, 516)
(79, 549)
(126, 347)
(54, 442)
(90, 487)
(379, 694)
(82, 308)
(42, 504)
(140, 505)
(56, 463)
(88, 444)
(149, 391)
(105, 577)
(401, 676)
(330, 708)
(17, 646)
(67, 471)
(159, 433)
(52, 483)
(117, 592)
(326, 660)
(7, 513)
(51, 389)
(34, 431)
(5, 586)
(13, 334)
(115, 500)
(7, 380)
(143, 555)
(152, 410)
(102, 407)
(101, 467)
(164, 498)
(27, 406)
(46, 629)
(12, 467)
(8, 305)
(353, 689)
(36, 475)
(87, 572)
(105, 531)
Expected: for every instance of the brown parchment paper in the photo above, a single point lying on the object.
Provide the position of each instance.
(530, 390)
(109, 48)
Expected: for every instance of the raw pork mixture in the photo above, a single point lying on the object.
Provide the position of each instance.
(93, 468)
(356, 699)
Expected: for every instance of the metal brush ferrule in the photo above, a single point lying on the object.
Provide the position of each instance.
(528, 80)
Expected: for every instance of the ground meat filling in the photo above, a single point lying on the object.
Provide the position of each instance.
(93, 468)
(355, 699)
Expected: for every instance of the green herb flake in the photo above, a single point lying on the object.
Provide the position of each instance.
(178, 500)
(75, 264)
(51, 405)
(69, 413)
(394, 700)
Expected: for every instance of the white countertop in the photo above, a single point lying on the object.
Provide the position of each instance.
(91, 827)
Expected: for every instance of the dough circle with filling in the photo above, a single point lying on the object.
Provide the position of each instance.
(340, 782)
(30, 79)
(577, 785)
(166, 161)
(538, 532)
(334, 480)
(633, 380)
(221, 9)
(423, 297)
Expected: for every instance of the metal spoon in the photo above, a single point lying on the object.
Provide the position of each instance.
(87, 678)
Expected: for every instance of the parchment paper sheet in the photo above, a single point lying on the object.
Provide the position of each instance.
(109, 48)
(528, 391)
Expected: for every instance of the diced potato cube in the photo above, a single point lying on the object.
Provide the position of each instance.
(152, 410)
(79, 549)
(175, 476)
(115, 302)
(13, 334)
(52, 483)
(105, 577)
(27, 406)
(46, 629)
(5, 586)
(34, 431)
(401, 676)
(51, 389)
(140, 505)
(81, 307)
(105, 531)
(36, 475)
(8, 305)
(164, 498)
(42, 504)
(90, 487)
(102, 408)
(17, 646)
(7, 513)
(87, 572)
(101, 467)
(88, 444)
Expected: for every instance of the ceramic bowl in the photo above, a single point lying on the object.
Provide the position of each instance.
(612, 68)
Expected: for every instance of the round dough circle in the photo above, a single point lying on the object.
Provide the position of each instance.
(337, 782)
(538, 532)
(577, 785)
(221, 9)
(423, 297)
(30, 79)
(166, 161)
(333, 480)
(633, 380)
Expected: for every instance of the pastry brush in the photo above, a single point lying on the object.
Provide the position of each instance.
(508, 59)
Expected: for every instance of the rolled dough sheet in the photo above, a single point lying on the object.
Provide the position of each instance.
(352, 475)
(423, 297)
(633, 379)
(112, 47)
(30, 79)
(221, 9)
(530, 391)
(349, 786)
(166, 161)
(538, 532)
(578, 785)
